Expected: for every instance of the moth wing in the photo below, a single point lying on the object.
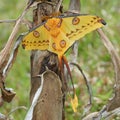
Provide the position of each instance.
(78, 26)
(60, 50)
(37, 39)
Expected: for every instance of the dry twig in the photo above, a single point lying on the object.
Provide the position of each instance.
(74, 7)
(8, 21)
(113, 106)
(4, 57)
(115, 102)
(5, 52)
(88, 88)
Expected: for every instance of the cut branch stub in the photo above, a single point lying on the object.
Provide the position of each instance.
(49, 104)
(41, 60)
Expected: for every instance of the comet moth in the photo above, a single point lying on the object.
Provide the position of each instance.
(58, 34)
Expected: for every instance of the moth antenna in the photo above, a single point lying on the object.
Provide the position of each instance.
(69, 72)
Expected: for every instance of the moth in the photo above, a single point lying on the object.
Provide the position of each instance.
(58, 34)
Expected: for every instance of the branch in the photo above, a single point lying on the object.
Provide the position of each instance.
(24, 21)
(5, 62)
(88, 88)
(15, 109)
(58, 6)
(6, 117)
(102, 115)
(12, 57)
(6, 50)
(74, 7)
(8, 21)
(113, 107)
(115, 102)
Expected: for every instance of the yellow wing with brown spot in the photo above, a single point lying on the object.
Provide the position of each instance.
(58, 34)
(59, 45)
(69, 29)
(38, 39)
(78, 26)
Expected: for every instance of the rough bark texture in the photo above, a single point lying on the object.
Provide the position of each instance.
(49, 106)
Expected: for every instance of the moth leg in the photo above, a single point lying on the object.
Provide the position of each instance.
(61, 66)
(46, 17)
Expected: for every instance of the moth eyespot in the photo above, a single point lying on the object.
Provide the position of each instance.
(75, 20)
(62, 43)
(36, 34)
(54, 46)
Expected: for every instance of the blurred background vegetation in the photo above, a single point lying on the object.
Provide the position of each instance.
(93, 57)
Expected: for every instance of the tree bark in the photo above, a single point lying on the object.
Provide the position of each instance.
(49, 105)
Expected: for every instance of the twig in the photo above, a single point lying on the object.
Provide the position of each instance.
(58, 6)
(108, 115)
(4, 57)
(114, 56)
(15, 109)
(104, 115)
(114, 102)
(24, 21)
(74, 7)
(7, 95)
(8, 21)
(5, 52)
(13, 56)
(86, 81)
(112, 108)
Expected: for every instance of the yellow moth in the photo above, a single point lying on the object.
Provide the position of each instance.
(58, 34)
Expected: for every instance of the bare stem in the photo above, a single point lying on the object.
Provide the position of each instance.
(15, 109)
(5, 51)
(113, 53)
(8, 21)
(58, 6)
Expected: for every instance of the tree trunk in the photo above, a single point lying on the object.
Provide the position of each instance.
(49, 105)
